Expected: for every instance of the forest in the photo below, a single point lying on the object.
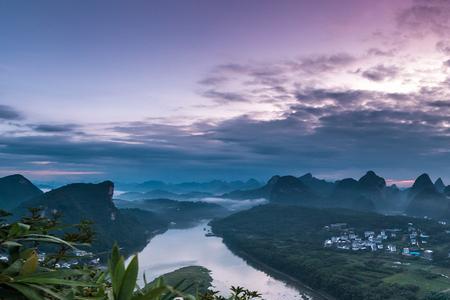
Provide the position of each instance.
(290, 239)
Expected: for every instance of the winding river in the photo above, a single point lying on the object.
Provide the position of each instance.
(178, 248)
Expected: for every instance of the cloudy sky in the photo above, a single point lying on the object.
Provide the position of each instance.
(196, 90)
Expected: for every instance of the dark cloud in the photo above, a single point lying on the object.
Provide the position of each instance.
(54, 128)
(380, 73)
(323, 63)
(359, 138)
(344, 97)
(380, 52)
(9, 113)
(440, 103)
(212, 80)
(271, 82)
(443, 46)
(224, 97)
(329, 137)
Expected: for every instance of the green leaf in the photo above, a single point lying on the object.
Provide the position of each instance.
(5, 278)
(27, 253)
(30, 265)
(62, 273)
(49, 291)
(28, 292)
(101, 278)
(11, 244)
(44, 238)
(117, 276)
(14, 268)
(55, 281)
(115, 255)
(151, 294)
(18, 229)
(129, 280)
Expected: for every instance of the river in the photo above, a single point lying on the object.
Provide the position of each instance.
(178, 248)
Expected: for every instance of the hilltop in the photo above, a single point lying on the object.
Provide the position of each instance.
(15, 189)
(368, 193)
(82, 201)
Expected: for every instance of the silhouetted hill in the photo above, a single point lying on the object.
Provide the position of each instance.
(447, 191)
(439, 185)
(261, 192)
(14, 190)
(423, 182)
(374, 188)
(213, 187)
(291, 190)
(81, 201)
(372, 182)
(426, 200)
(369, 193)
(318, 186)
(349, 193)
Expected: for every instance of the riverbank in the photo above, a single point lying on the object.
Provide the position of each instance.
(286, 278)
(178, 248)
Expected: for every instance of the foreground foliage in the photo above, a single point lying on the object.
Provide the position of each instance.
(40, 260)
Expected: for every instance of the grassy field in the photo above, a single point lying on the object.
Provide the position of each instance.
(396, 269)
(198, 279)
(427, 277)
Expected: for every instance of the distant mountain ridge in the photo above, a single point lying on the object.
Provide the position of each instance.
(369, 193)
(213, 186)
(156, 194)
(15, 189)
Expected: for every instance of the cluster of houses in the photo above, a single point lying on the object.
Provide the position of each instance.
(417, 240)
(67, 264)
(413, 241)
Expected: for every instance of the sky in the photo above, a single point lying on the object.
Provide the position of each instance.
(199, 90)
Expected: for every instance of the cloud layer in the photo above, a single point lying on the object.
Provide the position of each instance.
(383, 106)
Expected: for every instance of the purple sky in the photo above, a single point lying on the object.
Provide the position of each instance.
(195, 90)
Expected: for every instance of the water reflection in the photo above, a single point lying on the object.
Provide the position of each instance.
(185, 247)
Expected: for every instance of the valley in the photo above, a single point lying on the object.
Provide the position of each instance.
(304, 237)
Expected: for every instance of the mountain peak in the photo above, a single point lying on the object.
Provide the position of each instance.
(423, 182)
(439, 185)
(372, 181)
(306, 176)
(15, 189)
(273, 180)
(290, 189)
(371, 173)
(78, 201)
(252, 181)
(347, 182)
(14, 176)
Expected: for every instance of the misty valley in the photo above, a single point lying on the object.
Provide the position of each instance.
(289, 238)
